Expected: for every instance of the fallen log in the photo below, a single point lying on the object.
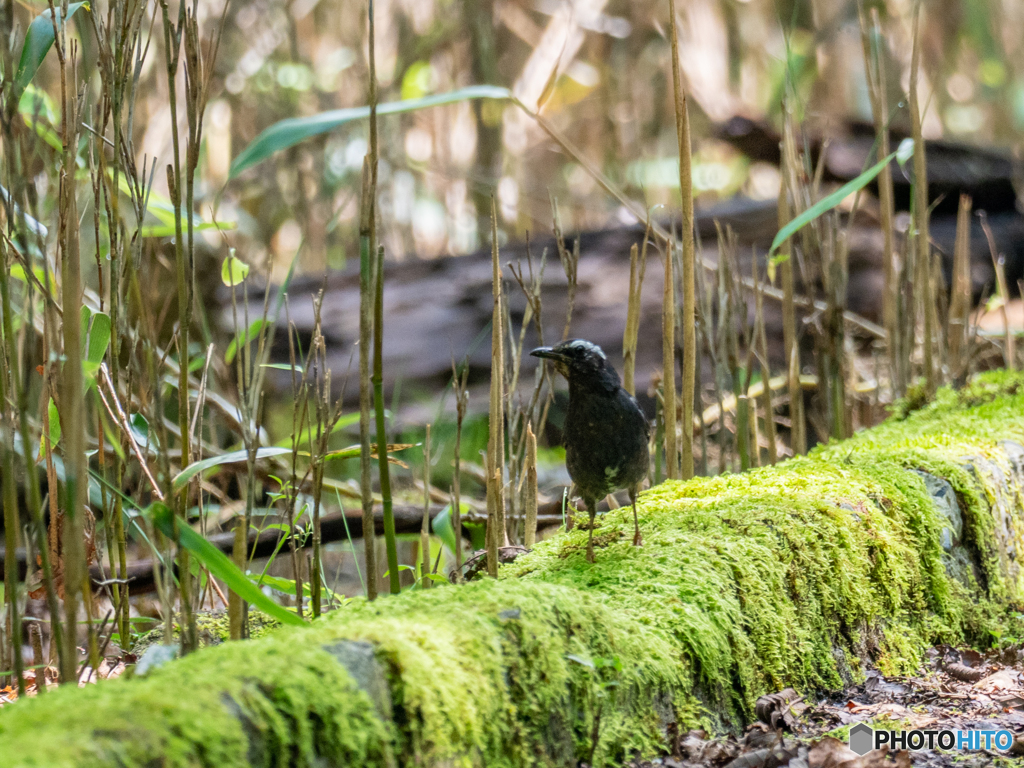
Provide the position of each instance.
(802, 575)
(335, 526)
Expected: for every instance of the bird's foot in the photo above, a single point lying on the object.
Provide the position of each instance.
(638, 540)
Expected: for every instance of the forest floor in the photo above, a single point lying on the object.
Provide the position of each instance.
(954, 690)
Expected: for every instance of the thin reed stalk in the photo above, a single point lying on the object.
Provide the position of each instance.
(926, 301)
(530, 489)
(874, 63)
(960, 291)
(461, 404)
(425, 526)
(798, 438)
(496, 421)
(390, 539)
(668, 356)
(1002, 294)
(689, 256)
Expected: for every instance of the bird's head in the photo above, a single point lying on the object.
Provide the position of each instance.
(581, 362)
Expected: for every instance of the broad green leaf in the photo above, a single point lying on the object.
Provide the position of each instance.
(401, 567)
(280, 584)
(139, 425)
(38, 112)
(234, 457)
(288, 133)
(38, 40)
(99, 337)
(234, 270)
(219, 565)
(828, 203)
(244, 338)
(442, 525)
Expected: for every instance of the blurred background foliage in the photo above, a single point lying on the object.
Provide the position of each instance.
(601, 71)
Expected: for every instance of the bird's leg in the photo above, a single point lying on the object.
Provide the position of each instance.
(592, 509)
(638, 540)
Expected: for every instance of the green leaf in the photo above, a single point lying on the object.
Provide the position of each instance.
(38, 40)
(182, 478)
(99, 337)
(288, 133)
(437, 577)
(51, 410)
(244, 338)
(169, 230)
(276, 582)
(234, 270)
(283, 367)
(442, 525)
(219, 565)
(401, 567)
(828, 203)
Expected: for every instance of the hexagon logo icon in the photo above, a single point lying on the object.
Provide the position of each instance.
(861, 738)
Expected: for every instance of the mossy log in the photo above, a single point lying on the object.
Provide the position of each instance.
(804, 575)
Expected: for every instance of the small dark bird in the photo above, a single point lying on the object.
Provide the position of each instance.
(606, 433)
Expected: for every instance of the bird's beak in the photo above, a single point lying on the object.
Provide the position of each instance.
(549, 353)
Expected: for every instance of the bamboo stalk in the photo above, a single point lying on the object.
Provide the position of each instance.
(1003, 292)
(689, 254)
(743, 431)
(11, 522)
(668, 352)
(236, 619)
(425, 527)
(874, 64)
(629, 337)
(367, 249)
(390, 540)
(496, 420)
(766, 373)
(922, 257)
(530, 488)
(461, 403)
(798, 437)
(960, 291)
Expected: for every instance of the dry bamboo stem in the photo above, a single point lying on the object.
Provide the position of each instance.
(960, 291)
(923, 271)
(689, 328)
(425, 528)
(530, 487)
(797, 437)
(496, 437)
(668, 351)
(874, 64)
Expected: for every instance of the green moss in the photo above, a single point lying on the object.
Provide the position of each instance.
(213, 629)
(797, 575)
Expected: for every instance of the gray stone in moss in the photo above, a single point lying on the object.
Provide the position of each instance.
(1004, 499)
(944, 496)
(955, 554)
(359, 658)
